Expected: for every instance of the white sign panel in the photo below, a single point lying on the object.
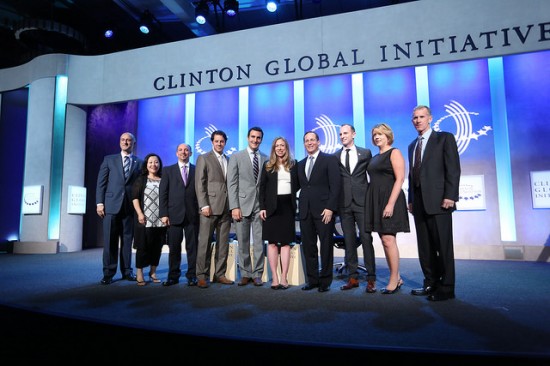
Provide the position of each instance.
(471, 193)
(32, 200)
(76, 200)
(540, 189)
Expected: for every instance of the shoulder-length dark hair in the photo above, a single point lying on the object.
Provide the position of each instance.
(144, 170)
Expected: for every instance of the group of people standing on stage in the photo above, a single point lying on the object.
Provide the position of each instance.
(144, 204)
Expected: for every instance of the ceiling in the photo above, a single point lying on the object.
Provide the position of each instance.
(29, 28)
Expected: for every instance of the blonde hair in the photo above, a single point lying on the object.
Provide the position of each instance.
(384, 129)
(273, 164)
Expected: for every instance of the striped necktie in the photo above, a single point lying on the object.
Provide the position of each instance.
(126, 166)
(255, 165)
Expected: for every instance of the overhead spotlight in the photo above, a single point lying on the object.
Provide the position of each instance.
(231, 7)
(109, 33)
(201, 11)
(146, 22)
(271, 5)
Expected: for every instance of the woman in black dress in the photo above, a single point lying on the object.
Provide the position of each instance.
(278, 186)
(385, 203)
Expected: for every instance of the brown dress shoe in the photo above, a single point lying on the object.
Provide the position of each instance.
(244, 281)
(202, 283)
(225, 281)
(352, 283)
(258, 281)
(371, 286)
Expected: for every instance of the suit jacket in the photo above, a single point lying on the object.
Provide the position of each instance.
(439, 172)
(323, 188)
(243, 190)
(268, 189)
(112, 189)
(177, 200)
(354, 184)
(210, 183)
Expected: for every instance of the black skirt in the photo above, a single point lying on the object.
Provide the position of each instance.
(280, 227)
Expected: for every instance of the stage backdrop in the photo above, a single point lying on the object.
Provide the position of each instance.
(495, 205)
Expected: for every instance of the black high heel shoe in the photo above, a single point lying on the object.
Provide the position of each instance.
(385, 291)
(153, 277)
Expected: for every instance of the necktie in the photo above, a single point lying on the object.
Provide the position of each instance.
(310, 168)
(126, 167)
(417, 162)
(184, 173)
(255, 166)
(222, 162)
(348, 168)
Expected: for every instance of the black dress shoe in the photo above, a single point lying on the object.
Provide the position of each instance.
(106, 280)
(129, 277)
(192, 281)
(309, 287)
(323, 288)
(423, 291)
(170, 282)
(441, 296)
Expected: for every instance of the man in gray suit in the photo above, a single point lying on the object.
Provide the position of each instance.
(116, 176)
(211, 189)
(243, 177)
(353, 170)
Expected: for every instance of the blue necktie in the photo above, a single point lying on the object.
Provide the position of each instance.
(126, 167)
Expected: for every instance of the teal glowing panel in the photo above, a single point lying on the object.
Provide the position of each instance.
(58, 147)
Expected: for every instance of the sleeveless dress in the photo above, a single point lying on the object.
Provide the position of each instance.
(381, 183)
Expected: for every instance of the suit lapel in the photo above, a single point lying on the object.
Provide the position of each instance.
(429, 144)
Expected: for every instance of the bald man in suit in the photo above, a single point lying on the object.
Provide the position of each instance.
(352, 208)
(179, 210)
(114, 206)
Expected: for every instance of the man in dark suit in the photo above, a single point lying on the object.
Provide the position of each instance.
(116, 176)
(179, 210)
(320, 182)
(211, 188)
(353, 171)
(434, 178)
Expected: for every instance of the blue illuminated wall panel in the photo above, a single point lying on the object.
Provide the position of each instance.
(527, 88)
(389, 97)
(161, 127)
(460, 99)
(13, 130)
(271, 107)
(216, 110)
(327, 105)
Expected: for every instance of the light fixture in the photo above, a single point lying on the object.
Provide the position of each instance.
(109, 33)
(271, 5)
(231, 7)
(201, 11)
(147, 22)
